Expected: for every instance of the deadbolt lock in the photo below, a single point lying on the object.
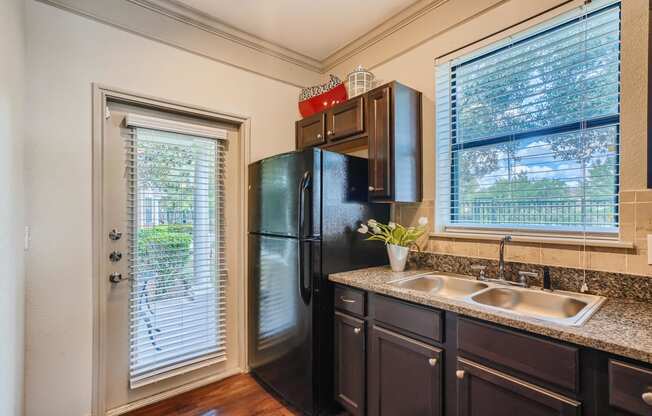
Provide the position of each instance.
(115, 235)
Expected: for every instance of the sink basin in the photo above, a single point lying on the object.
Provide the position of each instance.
(442, 285)
(564, 308)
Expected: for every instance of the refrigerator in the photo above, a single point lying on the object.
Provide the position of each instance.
(304, 209)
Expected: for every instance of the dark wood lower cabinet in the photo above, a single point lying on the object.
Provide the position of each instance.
(425, 361)
(404, 376)
(487, 392)
(350, 363)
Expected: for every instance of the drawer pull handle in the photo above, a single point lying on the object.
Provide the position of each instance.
(432, 362)
(460, 374)
(356, 330)
(343, 299)
(647, 398)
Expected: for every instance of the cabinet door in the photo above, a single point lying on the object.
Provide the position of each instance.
(350, 363)
(404, 376)
(345, 119)
(310, 131)
(380, 168)
(487, 392)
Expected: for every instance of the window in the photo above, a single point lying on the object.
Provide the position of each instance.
(177, 265)
(528, 129)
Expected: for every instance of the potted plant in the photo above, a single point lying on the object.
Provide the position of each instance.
(396, 237)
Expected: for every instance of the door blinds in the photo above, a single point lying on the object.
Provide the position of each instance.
(528, 129)
(177, 309)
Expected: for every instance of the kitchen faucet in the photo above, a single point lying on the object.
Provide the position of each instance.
(501, 261)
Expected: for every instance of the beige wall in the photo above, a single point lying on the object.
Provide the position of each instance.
(453, 30)
(66, 53)
(12, 51)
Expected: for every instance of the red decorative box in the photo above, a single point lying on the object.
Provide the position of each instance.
(320, 97)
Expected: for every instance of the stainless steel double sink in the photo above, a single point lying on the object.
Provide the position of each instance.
(560, 307)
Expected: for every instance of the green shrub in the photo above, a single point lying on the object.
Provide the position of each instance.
(165, 251)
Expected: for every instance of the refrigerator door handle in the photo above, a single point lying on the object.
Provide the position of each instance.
(303, 187)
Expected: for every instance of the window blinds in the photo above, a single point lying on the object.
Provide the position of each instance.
(527, 131)
(177, 264)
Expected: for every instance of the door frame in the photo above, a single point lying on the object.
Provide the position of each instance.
(101, 95)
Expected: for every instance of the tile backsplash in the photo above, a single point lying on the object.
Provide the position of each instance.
(635, 225)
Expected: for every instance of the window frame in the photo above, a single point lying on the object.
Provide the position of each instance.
(455, 147)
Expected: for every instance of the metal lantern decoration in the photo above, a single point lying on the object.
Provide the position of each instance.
(360, 81)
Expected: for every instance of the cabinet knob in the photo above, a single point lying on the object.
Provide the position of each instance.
(459, 374)
(371, 188)
(330, 133)
(647, 398)
(356, 330)
(319, 136)
(432, 362)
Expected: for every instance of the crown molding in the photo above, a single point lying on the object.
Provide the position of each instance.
(380, 32)
(203, 21)
(244, 50)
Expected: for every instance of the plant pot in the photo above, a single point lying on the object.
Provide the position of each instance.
(397, 257)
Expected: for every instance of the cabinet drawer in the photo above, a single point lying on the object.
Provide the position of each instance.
(550, 362)
(630, 388)
(408, 318)
(350, 300)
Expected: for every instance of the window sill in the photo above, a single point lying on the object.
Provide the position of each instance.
(540, 239)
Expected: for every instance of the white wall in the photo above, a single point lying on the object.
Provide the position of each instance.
(12, 51)
(66, 53)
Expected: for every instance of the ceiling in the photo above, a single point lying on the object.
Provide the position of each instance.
(315, 28)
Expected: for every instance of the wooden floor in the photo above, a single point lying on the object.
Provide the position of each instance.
(236, 396)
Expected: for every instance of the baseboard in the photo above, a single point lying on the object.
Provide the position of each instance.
(171, 393)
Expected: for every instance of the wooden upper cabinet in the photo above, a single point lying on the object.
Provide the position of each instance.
(386, 121)
(395, 149)
(345, 119)
(380, 168)
(310, 131)
(485, 391)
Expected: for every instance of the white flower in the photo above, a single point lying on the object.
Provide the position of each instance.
(375, 229)
(391, 225)
(372, 222)
(363, 229)
(423, 221)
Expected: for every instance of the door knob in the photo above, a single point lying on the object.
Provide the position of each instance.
(319, 136)
(460, 374)
(371, 188)
(115, 256)
(432, 362)
(115, 235)
(647, 398)
(330, 133)
(356, 330)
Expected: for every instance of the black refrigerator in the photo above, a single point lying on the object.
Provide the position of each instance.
(304, 209)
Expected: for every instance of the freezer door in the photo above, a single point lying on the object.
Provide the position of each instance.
(281, 318)
(275, 189)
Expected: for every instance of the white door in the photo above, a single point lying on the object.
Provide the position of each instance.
(171, 273)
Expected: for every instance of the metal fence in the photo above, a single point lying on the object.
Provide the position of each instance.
(557, 212)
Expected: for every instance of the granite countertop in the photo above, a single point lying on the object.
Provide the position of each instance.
(622, 327)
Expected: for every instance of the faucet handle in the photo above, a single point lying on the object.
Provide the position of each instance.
(481, 268)
(524, 275)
